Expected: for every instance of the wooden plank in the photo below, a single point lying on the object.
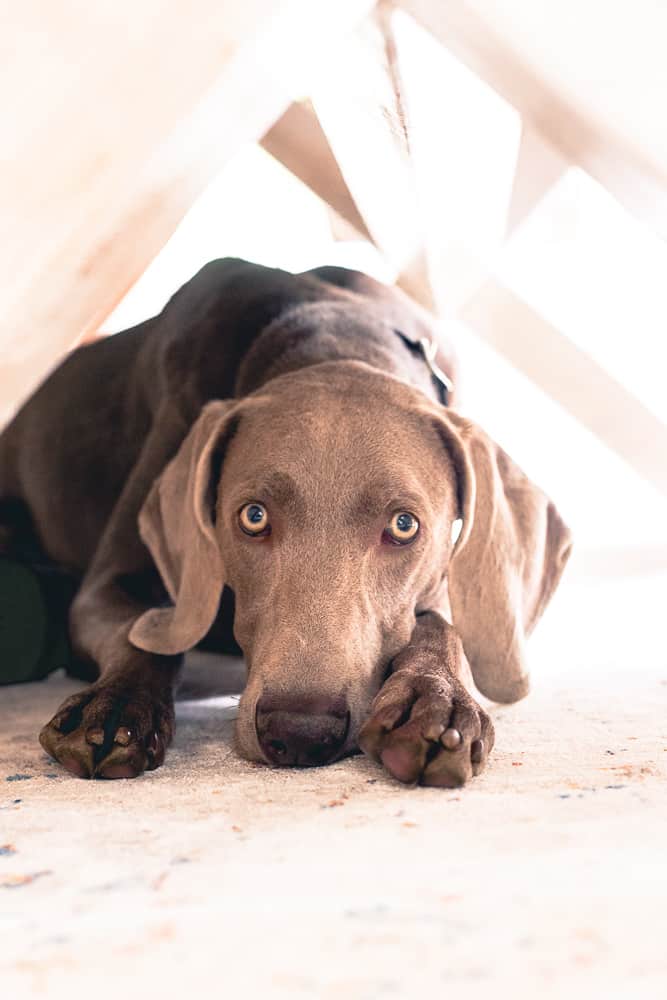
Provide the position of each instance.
(299, 143)
(629, 171)
(115, 127)
(460, 260)
(572, 378)
(463, 143)
(359, 115)
(364, 119)
(539, 167)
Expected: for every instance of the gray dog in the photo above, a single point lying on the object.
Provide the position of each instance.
(273, 452)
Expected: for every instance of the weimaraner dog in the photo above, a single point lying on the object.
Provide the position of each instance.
(273, 453)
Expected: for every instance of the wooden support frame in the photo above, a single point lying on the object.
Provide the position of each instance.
(99, 176)
(571, 378)
(144, 142)
(363, 127)
(299, 143)
(539, 167)
(637, 183)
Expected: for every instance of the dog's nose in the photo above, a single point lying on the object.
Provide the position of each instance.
(301, 732)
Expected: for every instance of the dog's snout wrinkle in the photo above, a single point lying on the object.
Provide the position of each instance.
(301, 731)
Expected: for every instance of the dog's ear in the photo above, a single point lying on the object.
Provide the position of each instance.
(507, 560)
(176, 524)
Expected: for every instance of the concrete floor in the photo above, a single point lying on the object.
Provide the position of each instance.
(545, 877)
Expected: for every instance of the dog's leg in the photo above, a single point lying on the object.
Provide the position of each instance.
(122, 724)
(424, 726)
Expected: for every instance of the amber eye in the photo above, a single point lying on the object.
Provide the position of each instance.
(254, 519)
(402, 528)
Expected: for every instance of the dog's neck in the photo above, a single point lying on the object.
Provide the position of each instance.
(321, 332)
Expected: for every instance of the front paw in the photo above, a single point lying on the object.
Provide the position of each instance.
(111, 730)
(426, 729)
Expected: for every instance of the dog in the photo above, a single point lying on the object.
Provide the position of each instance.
(278, 454)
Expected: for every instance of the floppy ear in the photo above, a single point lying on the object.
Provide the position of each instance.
(176, 524)
(507, 560)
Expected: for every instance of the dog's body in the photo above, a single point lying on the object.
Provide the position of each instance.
(308, 390)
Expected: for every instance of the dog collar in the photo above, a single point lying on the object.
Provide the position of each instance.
(428, 349)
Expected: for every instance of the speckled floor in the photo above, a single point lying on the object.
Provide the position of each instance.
(546, 877)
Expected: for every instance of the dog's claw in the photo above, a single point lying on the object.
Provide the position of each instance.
(451, 739)
(435, 732)
(156, 750)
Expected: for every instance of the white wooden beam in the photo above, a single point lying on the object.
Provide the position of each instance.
(539, 167)
(463, 144)
(637, 180)
(572, 378)
(462, 239)
(117, 121)
(360, 118)
(298, 141)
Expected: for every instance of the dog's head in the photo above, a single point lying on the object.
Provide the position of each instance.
(326, 501)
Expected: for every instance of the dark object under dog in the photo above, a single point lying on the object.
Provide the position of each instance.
(33, 632)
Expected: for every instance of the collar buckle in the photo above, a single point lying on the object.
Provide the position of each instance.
(428, 350)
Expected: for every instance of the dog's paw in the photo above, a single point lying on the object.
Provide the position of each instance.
(110, 731)
(426, 729)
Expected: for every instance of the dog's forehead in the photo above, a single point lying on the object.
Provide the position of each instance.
(315, 394)
(333, 404)
(347, 427)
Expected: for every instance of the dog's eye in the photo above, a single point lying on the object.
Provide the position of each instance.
(402, 528)
(254, 519)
